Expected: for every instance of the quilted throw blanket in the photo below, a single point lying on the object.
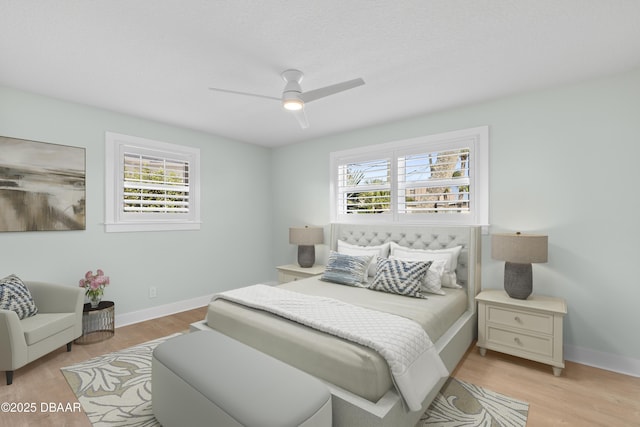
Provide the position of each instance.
(413, 360)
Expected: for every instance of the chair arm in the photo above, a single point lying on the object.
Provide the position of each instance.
(13, 347)
(54, 298)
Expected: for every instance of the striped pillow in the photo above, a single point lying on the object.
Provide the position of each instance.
(346, 269)
(15, 296)
(400, 277)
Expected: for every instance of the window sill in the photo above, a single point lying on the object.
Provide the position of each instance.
(150, 226)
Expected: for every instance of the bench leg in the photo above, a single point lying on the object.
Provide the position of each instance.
(69, 346)
(9, 377)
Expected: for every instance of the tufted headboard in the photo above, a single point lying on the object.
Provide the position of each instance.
(421, 237)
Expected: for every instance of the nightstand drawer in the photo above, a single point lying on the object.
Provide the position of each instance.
(536, 322)
(293, 272)
(522, 342)
(289, 277)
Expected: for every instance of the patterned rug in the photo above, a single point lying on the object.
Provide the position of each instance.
(463, 404)
(115, 390)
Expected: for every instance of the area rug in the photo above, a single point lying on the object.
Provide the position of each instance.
(115, 390)
(463, 404)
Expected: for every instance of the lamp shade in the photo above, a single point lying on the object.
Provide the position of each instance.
(519, 248)
(306, 235)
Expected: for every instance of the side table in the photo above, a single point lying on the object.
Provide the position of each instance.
(97, 323)
(292, 272)
(531, 328)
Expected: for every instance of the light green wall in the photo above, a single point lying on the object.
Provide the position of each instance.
(231, 249)
(563, 162)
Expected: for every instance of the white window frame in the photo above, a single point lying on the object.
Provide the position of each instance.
(476, 139)
(116, 219)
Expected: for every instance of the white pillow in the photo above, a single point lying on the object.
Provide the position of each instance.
(449, 279)
(381, 251)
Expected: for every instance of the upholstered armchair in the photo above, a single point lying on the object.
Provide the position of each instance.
(57, 322)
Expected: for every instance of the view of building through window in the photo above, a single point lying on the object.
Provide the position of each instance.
(435, 182)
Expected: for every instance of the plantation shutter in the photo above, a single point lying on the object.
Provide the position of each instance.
(434, 182)
(154, 185)
(431, 179)
(364, 187)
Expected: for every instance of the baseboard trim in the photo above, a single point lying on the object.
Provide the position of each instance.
(599, 359)
(125, 319)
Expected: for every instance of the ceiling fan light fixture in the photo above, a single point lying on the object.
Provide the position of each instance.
(292, 104)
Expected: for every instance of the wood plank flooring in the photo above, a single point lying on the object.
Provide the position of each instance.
(582, 396)
(42, 382)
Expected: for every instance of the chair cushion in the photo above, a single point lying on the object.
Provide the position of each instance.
(43, 325)
(15, 296)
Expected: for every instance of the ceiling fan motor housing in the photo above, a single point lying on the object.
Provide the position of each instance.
(291, 99)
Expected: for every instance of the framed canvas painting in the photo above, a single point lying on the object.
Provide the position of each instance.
(42, 186)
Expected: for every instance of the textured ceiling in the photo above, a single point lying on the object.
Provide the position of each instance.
(156, 58)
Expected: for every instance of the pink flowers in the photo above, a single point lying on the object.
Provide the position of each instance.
(94, 282)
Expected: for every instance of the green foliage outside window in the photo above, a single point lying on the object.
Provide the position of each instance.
(153, 190)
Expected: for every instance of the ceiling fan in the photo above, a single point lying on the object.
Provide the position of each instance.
(293, 98)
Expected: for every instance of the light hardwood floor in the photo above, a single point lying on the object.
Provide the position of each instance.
(582, 396)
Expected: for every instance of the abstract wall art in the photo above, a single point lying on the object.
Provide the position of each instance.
(42, 186)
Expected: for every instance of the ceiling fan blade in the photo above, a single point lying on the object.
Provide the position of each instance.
(235, 92)
(301, 116)
(312, 95)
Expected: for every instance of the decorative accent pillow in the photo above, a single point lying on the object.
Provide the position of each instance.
(381, 251)
(449, 279)
(400, 277)
(432, 282)
(15, 296)
(346, 269)
(433, 279)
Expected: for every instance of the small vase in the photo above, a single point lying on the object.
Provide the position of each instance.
(95, 298)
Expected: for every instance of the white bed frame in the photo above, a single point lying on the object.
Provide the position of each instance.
(354, 411)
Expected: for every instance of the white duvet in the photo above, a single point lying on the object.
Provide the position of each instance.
(413, 361)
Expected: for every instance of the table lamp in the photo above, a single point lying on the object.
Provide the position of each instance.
(519, 251)
(306, 237)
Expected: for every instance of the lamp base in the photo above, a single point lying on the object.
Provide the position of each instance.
(306, 255)
(518, 280)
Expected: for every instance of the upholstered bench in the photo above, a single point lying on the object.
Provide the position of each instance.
(205, 378)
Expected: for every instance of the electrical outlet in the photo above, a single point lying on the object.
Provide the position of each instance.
(153, 292)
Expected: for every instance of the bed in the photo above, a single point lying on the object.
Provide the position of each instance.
(363, 392)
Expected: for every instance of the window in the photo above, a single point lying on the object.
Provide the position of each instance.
(433, 179)
(151, 185)
(365, 186)
(434, 182)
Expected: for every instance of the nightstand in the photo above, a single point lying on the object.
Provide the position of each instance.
(291, 272)
(531, 328)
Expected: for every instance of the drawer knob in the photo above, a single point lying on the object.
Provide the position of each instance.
(517, 340)
(517, 319)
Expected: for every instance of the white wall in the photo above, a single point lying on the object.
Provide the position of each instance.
(231, 249)
(563, 162)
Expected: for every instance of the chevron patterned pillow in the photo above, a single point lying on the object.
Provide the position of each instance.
(400, 277)
(15, 296)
